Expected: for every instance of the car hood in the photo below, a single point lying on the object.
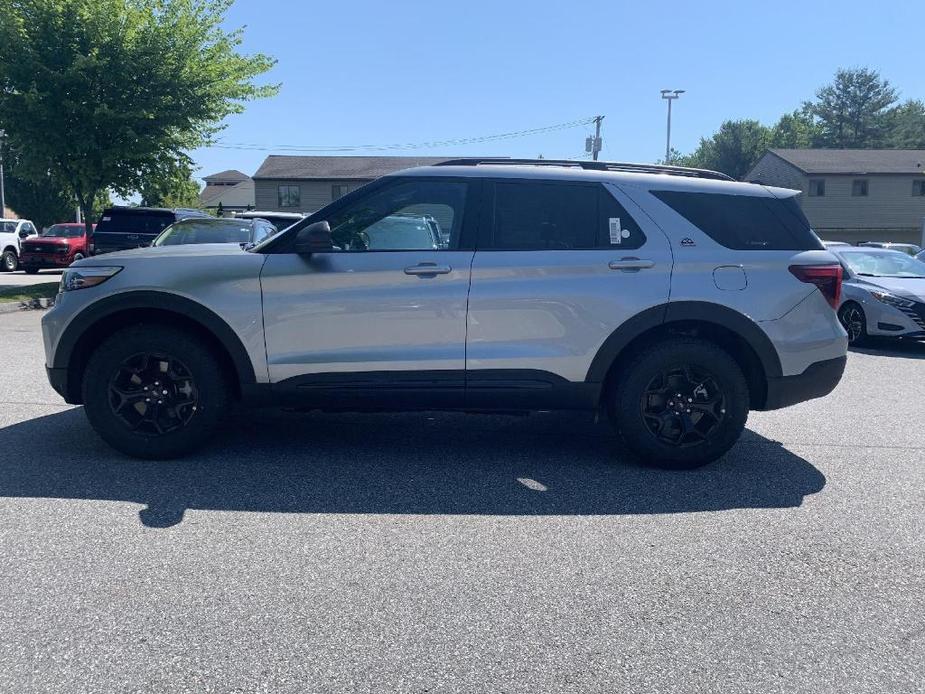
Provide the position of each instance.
(192, 250)
(900, 286)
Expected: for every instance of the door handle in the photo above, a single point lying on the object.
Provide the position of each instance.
(631, 264)
(428, 269)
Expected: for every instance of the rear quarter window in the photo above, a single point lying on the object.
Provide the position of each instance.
(745, 222)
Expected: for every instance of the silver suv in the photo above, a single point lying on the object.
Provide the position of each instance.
(675, 300)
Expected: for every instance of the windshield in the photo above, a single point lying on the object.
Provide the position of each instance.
(63, 231)
(205, 231)
(883, 264)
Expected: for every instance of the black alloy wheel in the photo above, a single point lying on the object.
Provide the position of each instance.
(853, 320)
(153, 393)
(683, 406)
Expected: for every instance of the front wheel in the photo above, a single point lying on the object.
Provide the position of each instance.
(680, 404)
(852, 318)
(9, 262)
(77, 256)
(153, 391)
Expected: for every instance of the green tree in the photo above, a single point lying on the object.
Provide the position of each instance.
(105, 94)
(854, 110)
(176, 189)
(734, 149)
(907, 125)
(795, 131)
(41, 201)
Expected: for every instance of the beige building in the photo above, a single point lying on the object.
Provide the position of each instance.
(231, 189)
(306, 184)
(853, 194)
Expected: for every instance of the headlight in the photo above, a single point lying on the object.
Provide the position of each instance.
(892, 300)
(83, 277)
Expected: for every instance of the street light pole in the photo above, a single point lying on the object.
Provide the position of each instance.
(670, 95)
(2, 191)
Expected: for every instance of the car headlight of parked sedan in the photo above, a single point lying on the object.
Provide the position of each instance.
(84, 277)
(892, 300)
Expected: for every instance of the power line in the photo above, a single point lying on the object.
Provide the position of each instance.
(406, 146)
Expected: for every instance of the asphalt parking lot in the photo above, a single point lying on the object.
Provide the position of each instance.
(444, 552)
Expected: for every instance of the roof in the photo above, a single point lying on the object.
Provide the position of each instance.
(855, 161)
(347, 168)
(229, 175)
(239, 195)
(646, 180)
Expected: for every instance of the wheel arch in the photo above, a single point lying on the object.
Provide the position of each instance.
(103, 318)
(738, 334)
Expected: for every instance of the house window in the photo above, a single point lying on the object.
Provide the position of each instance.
(817, 187)
(289, 196)
(859, 188)
(338, 190)
(918, 188)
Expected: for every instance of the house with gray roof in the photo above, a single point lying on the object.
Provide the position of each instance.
(232, 189)
(853, 194)
(308, 183)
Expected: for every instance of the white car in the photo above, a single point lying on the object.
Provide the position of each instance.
(12, 231)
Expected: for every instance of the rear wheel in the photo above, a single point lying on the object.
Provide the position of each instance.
(854, 321)
(680, 404)
(77, 256)
(31, 270)
(154, 391)
(9, 262)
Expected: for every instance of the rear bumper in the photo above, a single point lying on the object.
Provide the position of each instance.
(818, 380)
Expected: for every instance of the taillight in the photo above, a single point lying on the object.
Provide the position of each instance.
(827, 277)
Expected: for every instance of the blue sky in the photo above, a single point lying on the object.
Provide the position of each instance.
(364, 72)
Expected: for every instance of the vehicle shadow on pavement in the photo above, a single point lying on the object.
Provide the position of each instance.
(909, 349)
(420, 463)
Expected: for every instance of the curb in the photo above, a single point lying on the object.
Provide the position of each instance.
(33, 305)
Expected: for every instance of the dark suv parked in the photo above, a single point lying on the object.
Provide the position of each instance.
(121, 228)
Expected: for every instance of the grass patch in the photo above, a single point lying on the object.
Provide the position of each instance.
(46, 290)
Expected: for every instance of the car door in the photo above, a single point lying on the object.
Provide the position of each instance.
(388, 305)
(560, 266)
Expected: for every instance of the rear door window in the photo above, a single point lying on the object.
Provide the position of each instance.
(528, 215)
(745, 222)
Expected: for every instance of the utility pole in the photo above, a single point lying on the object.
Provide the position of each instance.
(2, 191)
(670, 95)
(593, 144)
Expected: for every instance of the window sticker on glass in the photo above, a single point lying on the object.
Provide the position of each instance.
(617, 232)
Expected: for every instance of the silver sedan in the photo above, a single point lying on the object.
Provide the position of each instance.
(883, 293)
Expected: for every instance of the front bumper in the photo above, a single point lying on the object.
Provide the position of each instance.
(45, 260)
(58, 380)
(818, 380)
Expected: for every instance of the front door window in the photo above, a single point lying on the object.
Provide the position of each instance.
(407, 216)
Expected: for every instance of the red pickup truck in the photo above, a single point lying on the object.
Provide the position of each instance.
(56, 247)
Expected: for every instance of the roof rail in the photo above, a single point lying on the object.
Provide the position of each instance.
(593, 166)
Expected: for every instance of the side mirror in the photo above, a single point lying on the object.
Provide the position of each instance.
(315, 238)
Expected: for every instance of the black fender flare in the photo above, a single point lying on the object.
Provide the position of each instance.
(161, 301)
(673, 312)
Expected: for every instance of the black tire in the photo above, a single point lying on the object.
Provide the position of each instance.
(854, 321)
(77, 256)
(692, 430)
(9, 261)
(31, 270)
(197, 397)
